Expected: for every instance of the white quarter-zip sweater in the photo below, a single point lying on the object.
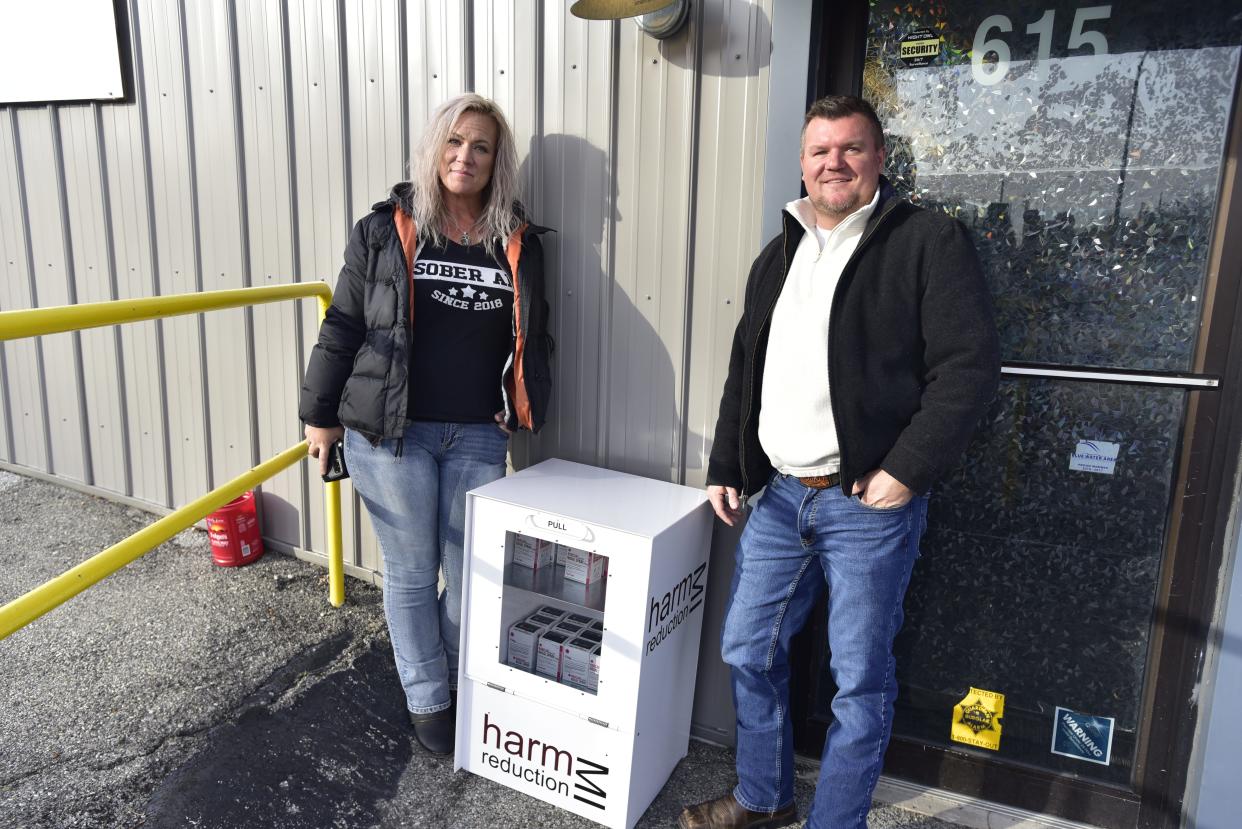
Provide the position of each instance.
(796, 428)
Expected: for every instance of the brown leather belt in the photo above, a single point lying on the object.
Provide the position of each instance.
(821, 481)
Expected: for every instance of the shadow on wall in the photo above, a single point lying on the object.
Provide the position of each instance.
(567, 182)
(615, 392)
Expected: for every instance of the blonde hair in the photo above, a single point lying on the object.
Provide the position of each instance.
(501, 211)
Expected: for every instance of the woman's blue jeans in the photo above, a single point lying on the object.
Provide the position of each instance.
(798, 541)
(417, 503)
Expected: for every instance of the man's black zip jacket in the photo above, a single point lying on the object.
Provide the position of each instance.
(913, 357)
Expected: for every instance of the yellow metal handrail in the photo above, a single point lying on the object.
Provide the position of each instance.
(39, 321)
(35, 322)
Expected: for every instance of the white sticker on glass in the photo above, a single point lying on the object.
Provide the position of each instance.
(1095, 456)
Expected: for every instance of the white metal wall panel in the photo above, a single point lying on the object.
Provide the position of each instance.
(317, 108)
(6, 434)
(126, 160)
(175, 242)
(47, 246)
(22, 384)
(218, 183)
(263, 99)
(737, 49)
(570, 190)
(655, 147)
(507, 63)
(785, 105)
(93, 282)
(438, 60)
(373, 38)
(321, 200)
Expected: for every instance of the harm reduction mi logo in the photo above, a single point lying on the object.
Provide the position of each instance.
(674, 607)
(544, 765)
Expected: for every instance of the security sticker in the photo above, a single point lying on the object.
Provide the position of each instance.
(1082, 736)
(977, 719)
(919, 47)
(1095, 456)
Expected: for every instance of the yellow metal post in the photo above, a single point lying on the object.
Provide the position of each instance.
(25, 609)
(336, 559)
(332, 496)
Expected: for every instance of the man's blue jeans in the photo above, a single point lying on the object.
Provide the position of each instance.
(417, 503)
(798, 541)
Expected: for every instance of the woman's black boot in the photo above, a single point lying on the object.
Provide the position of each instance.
(435, 732)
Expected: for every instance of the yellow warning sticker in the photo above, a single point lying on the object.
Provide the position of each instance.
(919, 47)
(977, 719)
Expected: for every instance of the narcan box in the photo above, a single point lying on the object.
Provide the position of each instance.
(576, 663)
(593, 669)
(548, 656)
(532, 552)
(584, 567)
(523, 644)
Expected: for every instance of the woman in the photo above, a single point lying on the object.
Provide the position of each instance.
(434, 350)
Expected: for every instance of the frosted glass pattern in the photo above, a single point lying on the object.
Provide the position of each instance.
(1089, 178)
(1038, 579)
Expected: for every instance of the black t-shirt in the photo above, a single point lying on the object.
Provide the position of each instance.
(463, 325)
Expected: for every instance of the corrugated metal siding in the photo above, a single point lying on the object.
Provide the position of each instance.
(26, 440)
(649, 268)
(39, 163)
(125, 208)
(91, 281)
(728, 217)
(568, 170)
(318, 201)
(260, 130)
(267, 161)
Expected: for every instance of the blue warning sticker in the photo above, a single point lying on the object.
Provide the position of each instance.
(1082, 736)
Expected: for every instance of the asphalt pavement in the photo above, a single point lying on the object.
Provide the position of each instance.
(176, 693)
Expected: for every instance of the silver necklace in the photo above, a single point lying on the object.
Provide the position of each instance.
(465, 234)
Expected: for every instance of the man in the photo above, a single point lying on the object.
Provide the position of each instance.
(864, 357)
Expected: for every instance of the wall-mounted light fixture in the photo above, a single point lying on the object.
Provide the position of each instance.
(658, 18)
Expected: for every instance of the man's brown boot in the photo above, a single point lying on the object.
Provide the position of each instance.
(726, 813)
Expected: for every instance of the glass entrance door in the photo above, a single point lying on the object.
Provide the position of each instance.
(1083, 145)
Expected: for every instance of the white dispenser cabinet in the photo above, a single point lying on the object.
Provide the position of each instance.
(628, 557)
